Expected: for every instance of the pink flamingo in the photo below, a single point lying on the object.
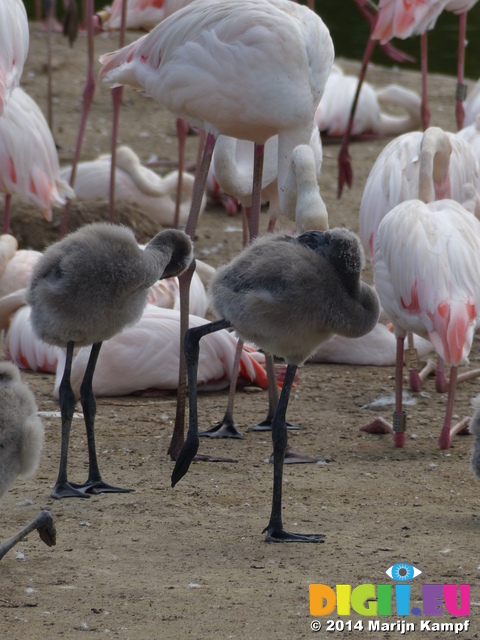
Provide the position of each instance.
(190, 64)
(396, 18)
(450, 166)
(148, 356)
(451, 170)
(28, 157)
(14, 42)
(427, 256)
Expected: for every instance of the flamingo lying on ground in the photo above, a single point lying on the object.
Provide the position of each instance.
(333, 112)
(154, 195)
(146, 357)
(16, 265)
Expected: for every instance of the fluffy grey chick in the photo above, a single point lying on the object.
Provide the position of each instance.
(85, 289)
(21, 442)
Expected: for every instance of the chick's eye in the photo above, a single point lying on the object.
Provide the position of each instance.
(402, 572)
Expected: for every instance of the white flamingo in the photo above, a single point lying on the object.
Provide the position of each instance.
(450, 164)
(333, 112)
(135, 183)
(446, 167)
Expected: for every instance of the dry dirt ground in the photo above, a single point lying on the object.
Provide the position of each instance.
(191, 561)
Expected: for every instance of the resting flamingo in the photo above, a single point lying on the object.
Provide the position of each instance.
(190, 64)
(28, 157)
(395, 18)
(450, 166)
(427, 258)
(135, 183)
(16, 265)
(145, 357)
(333, 112)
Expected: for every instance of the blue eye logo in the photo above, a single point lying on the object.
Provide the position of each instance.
(402, 572)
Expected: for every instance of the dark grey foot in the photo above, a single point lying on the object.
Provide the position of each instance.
(266, 425)
(93, 487)
(67, 490)
(184, 459)
(296, 458)
(280, 535)
(201, 457)
(46, 529)
(225, 429)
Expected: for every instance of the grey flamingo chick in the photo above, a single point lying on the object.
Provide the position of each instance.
(21, 441)
(85, 289)
(287, 295)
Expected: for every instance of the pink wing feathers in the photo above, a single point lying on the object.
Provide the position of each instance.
(146, 356)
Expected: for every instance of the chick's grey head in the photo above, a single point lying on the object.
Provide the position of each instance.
(8, 374)
(180, 248)
(339, 246)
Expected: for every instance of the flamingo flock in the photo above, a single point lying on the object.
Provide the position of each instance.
(106, 316)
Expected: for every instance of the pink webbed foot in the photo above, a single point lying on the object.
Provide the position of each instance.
(459, 429)
(417, 378)
(379, 425)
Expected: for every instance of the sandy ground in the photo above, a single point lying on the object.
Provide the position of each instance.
(191, 562)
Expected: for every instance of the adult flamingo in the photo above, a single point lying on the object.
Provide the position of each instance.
(14, 43)
(28, 157)
(145, 358)
(395, 18)
(190, 64)
(333, 112)
(448, 168)
(427, 259)
(155, 195)
(447, 162)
